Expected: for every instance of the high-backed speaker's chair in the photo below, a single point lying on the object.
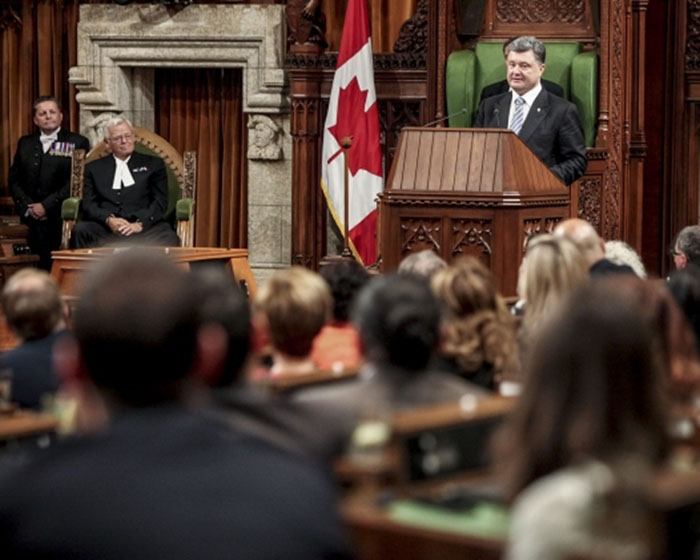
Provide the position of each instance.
(181, 184)
(469, 71)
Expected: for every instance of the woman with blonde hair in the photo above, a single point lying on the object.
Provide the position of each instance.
(478, 335)
(294, 304)
(552, 268)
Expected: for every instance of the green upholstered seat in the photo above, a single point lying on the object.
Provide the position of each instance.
(469, 71)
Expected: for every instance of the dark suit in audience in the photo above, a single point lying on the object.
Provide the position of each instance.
(34, 312)
(251, 408)
(155, 478)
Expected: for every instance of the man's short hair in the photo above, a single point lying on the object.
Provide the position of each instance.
(524, 44)
(32, 304)
(44, 99)
(222, 303)
(136, 325)
(688, 243)
(424, 263)
(345, 279)
(115, 121)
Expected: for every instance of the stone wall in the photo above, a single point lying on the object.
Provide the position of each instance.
(118, 49)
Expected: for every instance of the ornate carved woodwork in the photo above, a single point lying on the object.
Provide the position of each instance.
(590, 200)
(543, 18)
(418, 234)
(413, 37)
(471, 237)
(410, 91)
(467, 191)
(692, 41)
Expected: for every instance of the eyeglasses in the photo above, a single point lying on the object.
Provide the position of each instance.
(673, 253)
(117, 139)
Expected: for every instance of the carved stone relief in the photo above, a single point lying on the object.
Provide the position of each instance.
(264, 140)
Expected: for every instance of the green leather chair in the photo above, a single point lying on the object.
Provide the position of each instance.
(468, 72)
(181, 172)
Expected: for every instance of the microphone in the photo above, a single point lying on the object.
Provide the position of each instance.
(436, 121)
(497, 114)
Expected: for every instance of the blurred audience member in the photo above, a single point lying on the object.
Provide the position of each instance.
(399, 323)
(35, 313)
(158, 480)
(592, 246)
(424, 264)
(685, 287)
(552, 268)
(249, 407)
(686, 248)
(294, 304)
(675, 340)
(478, 335)
(337, 346)
(621, 253)
(587, 432)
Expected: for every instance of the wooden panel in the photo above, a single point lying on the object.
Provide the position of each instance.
(452, 157)
(466, 145)
(410, 164)
(425, 153)
(437, 161)
(476, 163)
(491, 155)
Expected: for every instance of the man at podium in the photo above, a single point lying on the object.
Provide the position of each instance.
(549, 125)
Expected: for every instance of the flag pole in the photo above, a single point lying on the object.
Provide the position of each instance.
(346, 144)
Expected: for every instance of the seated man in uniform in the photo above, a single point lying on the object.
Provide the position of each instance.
(125, 197)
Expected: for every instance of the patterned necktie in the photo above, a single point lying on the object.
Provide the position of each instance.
(518, 115)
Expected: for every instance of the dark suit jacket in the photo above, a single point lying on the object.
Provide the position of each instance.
(32, 370)
(165, 483)
(503, 87)
(146, 200)
(552, 131)
(38, 177)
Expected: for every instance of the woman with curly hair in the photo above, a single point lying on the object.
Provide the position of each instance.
(479, 339)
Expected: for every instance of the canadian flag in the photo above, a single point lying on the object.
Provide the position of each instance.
(352, 112)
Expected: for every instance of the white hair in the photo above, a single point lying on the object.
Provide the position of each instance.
(620, 252)
(115, 121)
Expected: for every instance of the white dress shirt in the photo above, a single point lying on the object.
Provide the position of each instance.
(529, 99)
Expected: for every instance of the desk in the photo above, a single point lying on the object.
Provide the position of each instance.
(69, 265)
(376, 536)
(24, 424)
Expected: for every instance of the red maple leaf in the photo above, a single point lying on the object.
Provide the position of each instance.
(362, 126)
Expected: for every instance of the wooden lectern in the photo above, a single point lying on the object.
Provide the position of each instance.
(459, 191)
